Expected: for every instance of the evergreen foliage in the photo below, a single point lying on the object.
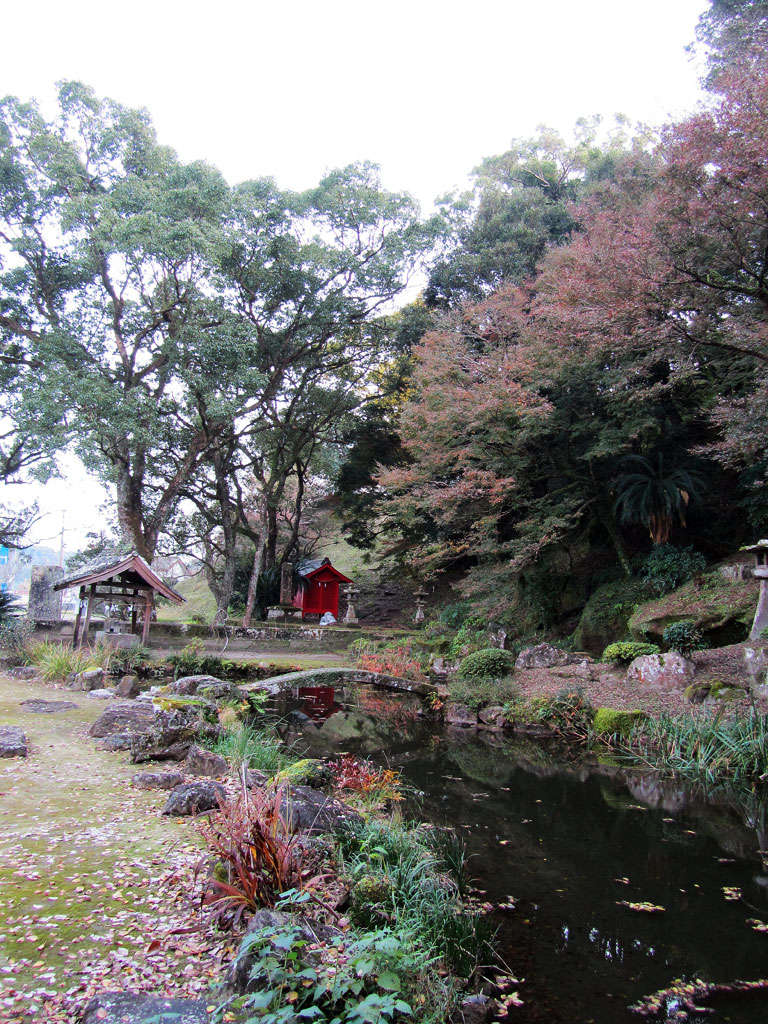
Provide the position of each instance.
(667, 567)
(684, 637)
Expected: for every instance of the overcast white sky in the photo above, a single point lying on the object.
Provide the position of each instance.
(425, 88)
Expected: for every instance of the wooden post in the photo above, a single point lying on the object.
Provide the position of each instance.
(134, 611)
(147, 619)
(81, 598)
(88, 610)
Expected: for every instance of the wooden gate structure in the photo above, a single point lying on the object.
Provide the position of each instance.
(123, 578)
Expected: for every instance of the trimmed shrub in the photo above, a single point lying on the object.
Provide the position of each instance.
(609, 722)
(627, 650)
(683, 637)
(490, 663)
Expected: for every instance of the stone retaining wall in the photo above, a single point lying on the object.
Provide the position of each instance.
(242, 640)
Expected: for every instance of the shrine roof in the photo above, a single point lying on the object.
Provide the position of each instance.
(130, 567)
(309, 567)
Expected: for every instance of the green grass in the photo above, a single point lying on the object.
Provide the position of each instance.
(481, 693)
(705, 747)
(55, 662)
(423, 894)
(258, 746)
(199, 604)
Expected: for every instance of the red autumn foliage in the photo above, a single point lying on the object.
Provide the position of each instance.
(258, 858)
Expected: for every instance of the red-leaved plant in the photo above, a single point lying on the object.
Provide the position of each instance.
(257, 857)
(398, 661)
(361, 776)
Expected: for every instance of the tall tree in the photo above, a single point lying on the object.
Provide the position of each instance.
(164, 306)
(107, 246)
(520, 204)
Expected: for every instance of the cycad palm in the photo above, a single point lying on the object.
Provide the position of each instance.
(653, 496)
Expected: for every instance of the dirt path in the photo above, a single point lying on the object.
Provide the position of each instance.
(95, 886)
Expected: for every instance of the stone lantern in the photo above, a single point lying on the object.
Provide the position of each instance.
(760, 572)
(421, 601)
(350, 619)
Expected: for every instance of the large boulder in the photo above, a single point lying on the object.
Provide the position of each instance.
(492, 717)
(306, 810)
(128, 687)
(124, 717)
(91, 679)
(170, 735)
(194, 798)
(460, 714)
(721, 610)
(204, 762)
(13, 741)
(663, 672)
(221, 690)
(139, 1008)
(188, 685)
(546, 656)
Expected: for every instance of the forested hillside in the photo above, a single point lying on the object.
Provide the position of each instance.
(578, 393)
(589, 399)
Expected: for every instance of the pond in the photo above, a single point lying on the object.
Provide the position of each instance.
(571, 843)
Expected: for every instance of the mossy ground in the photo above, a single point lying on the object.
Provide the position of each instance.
(721, 609)
(92, 878)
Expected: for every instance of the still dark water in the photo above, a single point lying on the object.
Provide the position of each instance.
(567, 842)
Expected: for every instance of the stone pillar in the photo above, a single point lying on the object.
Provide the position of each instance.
(44, 601)
(286, 584)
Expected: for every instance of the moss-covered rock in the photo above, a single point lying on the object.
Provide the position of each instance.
(306, 772)
(721, 609)
(609, 721)
(712, 690)
(606, 614)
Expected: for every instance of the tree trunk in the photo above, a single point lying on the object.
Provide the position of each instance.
(612, 529)
(271, 546)
(259, 561)
(129, 515)
(221, 570)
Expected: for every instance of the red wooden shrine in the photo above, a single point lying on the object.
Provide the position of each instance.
(318, 589)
